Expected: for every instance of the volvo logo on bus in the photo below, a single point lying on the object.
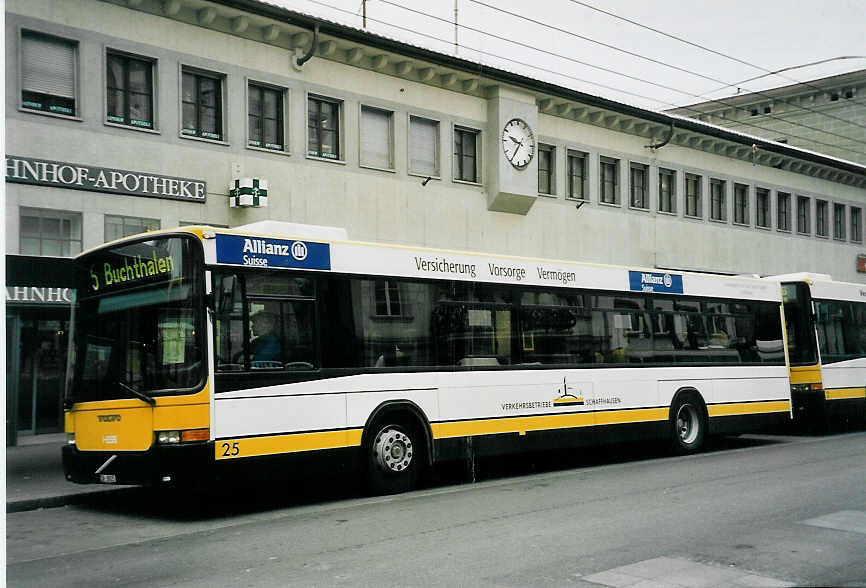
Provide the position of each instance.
(299, 250)
(108, 418)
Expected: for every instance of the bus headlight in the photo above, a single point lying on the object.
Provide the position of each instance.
(70, 438)
(168, 437)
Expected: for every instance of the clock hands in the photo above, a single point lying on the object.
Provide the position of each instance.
(516, 149)
(516, 134)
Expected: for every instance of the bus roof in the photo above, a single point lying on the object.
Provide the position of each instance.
(801, 277)
(292, 246)
(823, 287)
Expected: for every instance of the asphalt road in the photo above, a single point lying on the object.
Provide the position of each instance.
(754, 510)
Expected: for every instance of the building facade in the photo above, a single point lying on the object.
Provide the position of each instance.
(125, 116)
(826, 115)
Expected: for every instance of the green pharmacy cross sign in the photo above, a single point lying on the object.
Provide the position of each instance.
(248, 192)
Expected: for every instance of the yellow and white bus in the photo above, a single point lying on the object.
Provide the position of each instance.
(826, 331)
(199, 348)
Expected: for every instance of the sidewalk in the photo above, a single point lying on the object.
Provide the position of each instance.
(34, 476)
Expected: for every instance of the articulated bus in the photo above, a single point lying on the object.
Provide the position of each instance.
(200, 348)
(826, 333)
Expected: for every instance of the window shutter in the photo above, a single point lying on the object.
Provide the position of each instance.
(375, 138)
(48, 65)
(423, 146)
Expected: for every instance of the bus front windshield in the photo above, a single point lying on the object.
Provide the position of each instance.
(137, 326)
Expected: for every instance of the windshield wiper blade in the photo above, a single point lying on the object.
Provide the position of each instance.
(139, 394)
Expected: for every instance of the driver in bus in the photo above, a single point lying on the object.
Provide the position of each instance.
(265, 345)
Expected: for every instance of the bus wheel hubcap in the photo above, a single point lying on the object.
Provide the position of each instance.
(687, 423)
(393, 450)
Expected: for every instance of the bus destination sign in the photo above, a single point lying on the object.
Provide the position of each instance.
(265, 252)
(655, 282)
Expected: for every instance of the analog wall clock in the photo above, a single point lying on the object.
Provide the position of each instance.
(518, 142)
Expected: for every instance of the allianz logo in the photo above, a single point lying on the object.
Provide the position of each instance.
(108, 418)
(299, 250)
(656, 279)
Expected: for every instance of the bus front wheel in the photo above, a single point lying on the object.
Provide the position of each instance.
(688, 423)
(394, 458)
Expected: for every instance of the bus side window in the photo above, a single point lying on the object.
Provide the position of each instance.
(229, 323)
(297, 330)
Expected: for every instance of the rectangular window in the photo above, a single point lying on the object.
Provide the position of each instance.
(265, 117)
(466, 154)
(49, 71)
(693, 195)
(741, 204)
(638, 185)
(577, 175)
(424, 146)
(388, 298)
(609, 177)
(323, 128)
(804, 215)
(202, 105)
(117, 226)
(718, 208)
(129, 84)
(50, 232)
(377, 138)
(762, 208)
(546, 162)
(270, 326)
(821, 219)
(838, 221)
(856, 225)
(783, 211)
(667, 190)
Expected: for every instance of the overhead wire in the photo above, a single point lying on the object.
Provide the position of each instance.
(549, 71)
(635, 78)
(720, 54)
(659, 62)
(802, 65)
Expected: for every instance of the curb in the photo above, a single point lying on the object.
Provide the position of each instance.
(28, 504)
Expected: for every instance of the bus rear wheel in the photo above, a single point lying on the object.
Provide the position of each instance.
(688, 423)
(394, 458)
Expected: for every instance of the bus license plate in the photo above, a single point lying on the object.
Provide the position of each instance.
(108, 478)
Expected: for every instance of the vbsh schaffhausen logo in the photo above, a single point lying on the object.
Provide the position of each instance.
(565, 398)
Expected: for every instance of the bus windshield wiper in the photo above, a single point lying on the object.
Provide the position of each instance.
(139, 394)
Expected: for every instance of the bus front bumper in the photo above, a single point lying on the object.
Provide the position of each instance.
(158, 465)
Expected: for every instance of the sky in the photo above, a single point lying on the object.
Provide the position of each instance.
(568, 43)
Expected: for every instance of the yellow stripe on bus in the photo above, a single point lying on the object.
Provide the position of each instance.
(844, 393)
(292, 443)
(540, 423)
(810, 374)
(737, 408)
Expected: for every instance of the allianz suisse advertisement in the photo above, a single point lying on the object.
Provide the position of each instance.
(386, 260)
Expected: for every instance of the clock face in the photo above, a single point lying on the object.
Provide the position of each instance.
(518, 142)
